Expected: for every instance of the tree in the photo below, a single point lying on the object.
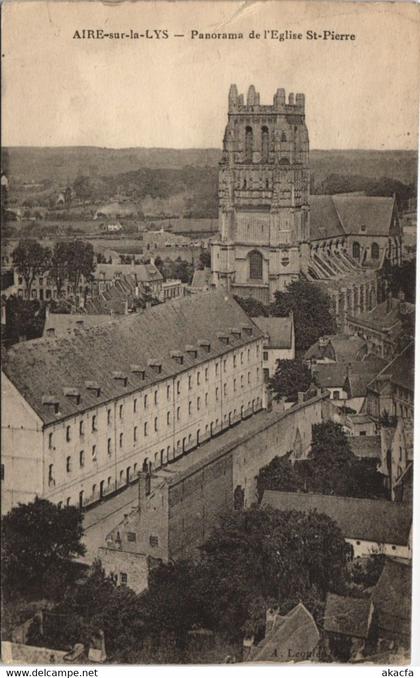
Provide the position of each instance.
(25, 319)
(311, 311)
(30, 259)
(252, 307)
(80, 262)
(59, 265)
(290, 377)
(204, 259)
(280, 474)
(38, 539)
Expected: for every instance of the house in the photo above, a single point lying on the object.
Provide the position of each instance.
(116, 210)
(114, 227)
(82, 413)
(336, 348)
(349, 618)
(392, 600)
(369, 525)
(383, 326)
(396, 456)
(391, 391)
(172, 289)
(146, 274)
(279, 341)
(348, 383)
(360, 425)
(293, 637)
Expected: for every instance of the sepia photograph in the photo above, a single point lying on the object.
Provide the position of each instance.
(208, 279)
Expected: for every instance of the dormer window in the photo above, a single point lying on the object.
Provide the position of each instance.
(247, 329)
(178, 356)
(236, 332)
(93, 386)
(138, 370)
(156, 365)
(363, 228)
(224, 338)
(74, 393)
(204, 344)
(119, 376)
(52, 402)
(191, 350)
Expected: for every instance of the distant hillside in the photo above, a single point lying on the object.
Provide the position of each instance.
(62, 165)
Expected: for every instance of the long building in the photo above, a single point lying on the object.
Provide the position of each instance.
(82, 415)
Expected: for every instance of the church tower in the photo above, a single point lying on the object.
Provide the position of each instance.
(263, 196)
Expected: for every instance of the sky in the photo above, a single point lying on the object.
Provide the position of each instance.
(58, 90)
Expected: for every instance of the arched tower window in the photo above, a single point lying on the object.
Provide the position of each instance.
(375, 250)
(356, 250)
(283, 137)
(264, 144)
(255, 265)
(249, 144)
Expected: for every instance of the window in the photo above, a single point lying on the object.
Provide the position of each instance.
(189, 382)
(178, 387)
(216, 368)
(135, 405)
(108, 416)
(224, 365)
(190, 407)
(156, 423)
(249, 377)
(242, 357)
(93, 452)
(264, 144)
(135, 434)
(94, 422)
(198, 378)
(234, 361)
(50, 474)
(206, 398)
(265, 355)
(242, 380)
(121, 439)
(234, 384)
(206, 374)
(68, 500)
(356, 250)
(2, 471)
(224, 389)
(131, 536)
(217, 393)
(255, 265)
(123, 578)
(50, 441)
(145, 401)
(249, 354)
(109, 481)
(109, 446)
(178, 412)
(121, 411)
(68, 433)
(198, 403)
(153, 541)
(168, 418)
(81, 427)
(336, 395)
(156, 397)
(168, 392)
(82, 458)
(68, 464)
(145, 428)
(375, 250)
(249, 143)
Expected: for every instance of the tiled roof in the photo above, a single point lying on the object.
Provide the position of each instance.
(46, 366)
(348, 616)
(67, 323)
(333, 375)
(371, 211)
(334, 216)
(345, 347)
(279, 331)
(201, 278)
(401, 369)
(324, 218)
(392, 600)
(293, 637)
(143, 272)
(381, 521)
